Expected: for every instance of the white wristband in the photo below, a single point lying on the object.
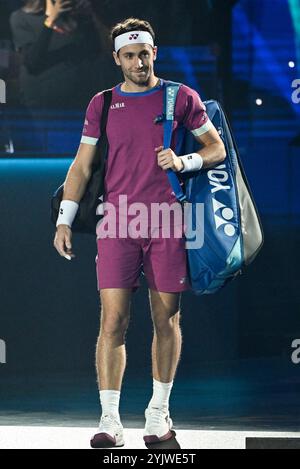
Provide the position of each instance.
(191, 162)
(67, 212)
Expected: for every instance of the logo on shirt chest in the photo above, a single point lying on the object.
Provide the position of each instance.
(117, 106)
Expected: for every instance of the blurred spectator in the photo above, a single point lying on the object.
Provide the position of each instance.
(65, 53)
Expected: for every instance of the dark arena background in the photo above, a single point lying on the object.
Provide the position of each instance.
(238, 381)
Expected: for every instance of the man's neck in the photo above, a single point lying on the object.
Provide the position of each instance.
(129, 87)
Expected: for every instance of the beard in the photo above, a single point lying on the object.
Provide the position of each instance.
(142, 79)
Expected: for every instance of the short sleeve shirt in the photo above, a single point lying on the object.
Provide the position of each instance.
(133, 135)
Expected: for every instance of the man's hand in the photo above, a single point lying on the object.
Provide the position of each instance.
(167, 159)
(63, 241)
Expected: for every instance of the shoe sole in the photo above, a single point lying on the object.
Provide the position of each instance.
(103, 440)
(150, 439)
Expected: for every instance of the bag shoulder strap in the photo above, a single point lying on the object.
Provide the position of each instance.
(102, 144)
(107, 101)
(170, 96)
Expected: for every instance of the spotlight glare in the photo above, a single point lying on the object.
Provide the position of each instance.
(259, 102)
(292, 64)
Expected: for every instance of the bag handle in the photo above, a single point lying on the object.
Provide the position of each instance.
(170, 95)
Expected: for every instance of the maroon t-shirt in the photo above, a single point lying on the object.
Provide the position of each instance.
(132, 168)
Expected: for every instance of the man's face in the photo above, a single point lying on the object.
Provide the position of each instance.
(137, 62)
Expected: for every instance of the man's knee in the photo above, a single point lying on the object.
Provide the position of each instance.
(114, 324)
(166, 324)
(115, 312)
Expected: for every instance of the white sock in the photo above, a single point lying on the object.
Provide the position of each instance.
(161, 395)
(110, 401)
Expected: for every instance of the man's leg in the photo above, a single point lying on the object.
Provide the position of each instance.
(111, 363)
(167, 340)
(111, 353)
(166, 349)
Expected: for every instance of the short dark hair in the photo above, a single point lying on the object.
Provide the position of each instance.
(131, 24)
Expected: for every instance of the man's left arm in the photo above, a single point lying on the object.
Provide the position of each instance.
(212, 152)
(213, 149)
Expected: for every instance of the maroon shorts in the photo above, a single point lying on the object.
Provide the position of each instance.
(121, 261)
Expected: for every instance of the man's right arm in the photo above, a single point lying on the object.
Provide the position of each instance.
(79, 173)
(75, 184)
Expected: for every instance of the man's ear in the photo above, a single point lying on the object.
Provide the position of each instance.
(116, 57)
(155, 52)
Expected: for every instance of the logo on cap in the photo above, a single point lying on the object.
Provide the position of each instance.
(133, 36)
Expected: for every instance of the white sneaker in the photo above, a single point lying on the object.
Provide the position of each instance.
(110, 433)
(158, 425)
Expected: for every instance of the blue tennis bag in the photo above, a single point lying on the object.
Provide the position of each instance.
(218, 203)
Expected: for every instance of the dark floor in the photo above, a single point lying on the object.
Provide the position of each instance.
(251, 395)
